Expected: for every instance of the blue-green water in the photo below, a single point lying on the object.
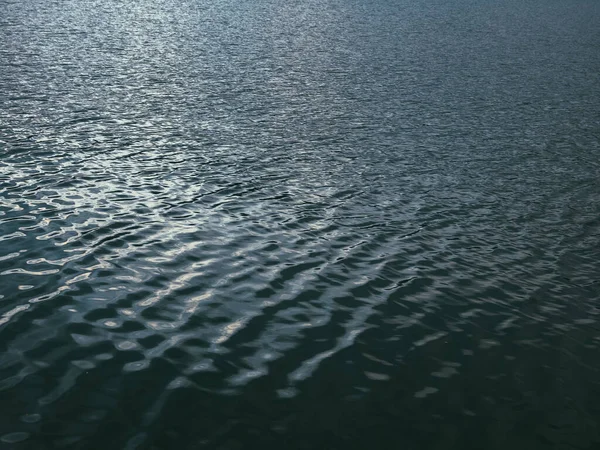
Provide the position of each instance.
(319, 224)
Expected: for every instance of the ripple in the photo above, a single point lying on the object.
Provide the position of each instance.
(13, 438)
(241, 225)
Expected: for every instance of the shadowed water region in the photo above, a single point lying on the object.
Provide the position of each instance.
(319, 224)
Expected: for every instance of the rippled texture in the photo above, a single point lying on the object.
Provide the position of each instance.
(325, 224)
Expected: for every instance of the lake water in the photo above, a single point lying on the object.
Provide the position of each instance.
(285, 224)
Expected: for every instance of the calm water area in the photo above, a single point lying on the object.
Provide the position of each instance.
(299, 224)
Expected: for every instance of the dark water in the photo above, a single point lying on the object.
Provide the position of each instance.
(319, 224)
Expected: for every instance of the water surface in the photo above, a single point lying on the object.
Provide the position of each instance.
(320, 224)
